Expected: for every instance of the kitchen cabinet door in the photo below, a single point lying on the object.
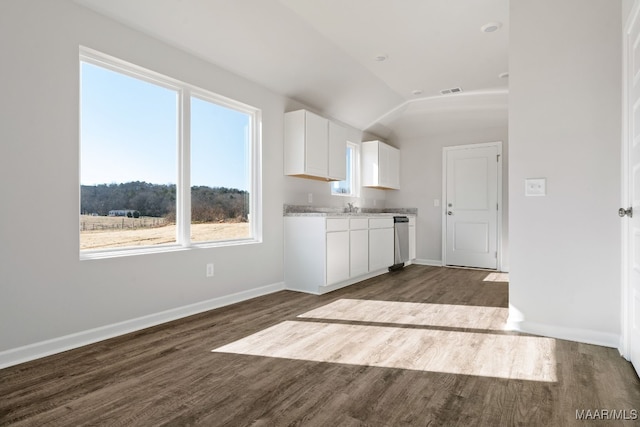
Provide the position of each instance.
(412, 242)
(337, 152)
(316, 148)
(392, 169)
(359, 252)
(412, 238)
(383, 164)
(380, 165)
(306, 145)
(337, 257)
(380, 248)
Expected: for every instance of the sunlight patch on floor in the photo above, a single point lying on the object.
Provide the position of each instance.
(497, 277)
(464, 353)
(412, 313)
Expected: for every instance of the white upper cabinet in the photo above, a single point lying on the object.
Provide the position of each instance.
(314, 147)
(337, 152)
(380, 165)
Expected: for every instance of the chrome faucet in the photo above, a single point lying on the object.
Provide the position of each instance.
(351, 208)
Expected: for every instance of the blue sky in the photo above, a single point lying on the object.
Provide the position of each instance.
(129, 133)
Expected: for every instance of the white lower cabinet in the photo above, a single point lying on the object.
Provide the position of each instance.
(359, 252)
(412, 238)
(337, 257)
(381, 243)
(326, 253)
(380, 248)
(358, 246)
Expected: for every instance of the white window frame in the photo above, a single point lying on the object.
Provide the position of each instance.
(183, 180)
(355, 173)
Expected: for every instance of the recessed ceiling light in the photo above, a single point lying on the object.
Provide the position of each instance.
(381, 57)
(503, 75)
(491, 27)
(416, 92)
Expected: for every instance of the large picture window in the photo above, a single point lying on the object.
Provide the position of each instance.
(163, 164)
(220, 178)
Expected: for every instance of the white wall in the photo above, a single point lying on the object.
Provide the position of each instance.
(421, 183)
(46, 292)
(565, 126)
(297, 190)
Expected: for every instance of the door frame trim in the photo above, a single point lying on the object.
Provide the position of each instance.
(445, 150)
(625, 196)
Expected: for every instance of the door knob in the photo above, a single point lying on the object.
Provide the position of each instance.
(622, 212)
(449, 213)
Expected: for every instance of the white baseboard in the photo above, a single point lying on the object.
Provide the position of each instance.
(329, 288)
(439, 263)
(57, 345)
(431, 262)
(586, 336)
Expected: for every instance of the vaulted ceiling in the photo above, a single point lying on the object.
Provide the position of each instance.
(326, 54)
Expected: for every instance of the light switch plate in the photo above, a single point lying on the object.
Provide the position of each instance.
(535, 187)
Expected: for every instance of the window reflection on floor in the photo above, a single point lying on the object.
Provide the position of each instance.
(497, 277)
(427, 348)
(411, 313)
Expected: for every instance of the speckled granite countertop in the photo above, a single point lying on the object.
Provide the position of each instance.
(301, 210)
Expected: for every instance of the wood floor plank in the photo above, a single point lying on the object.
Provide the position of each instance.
(167, 375)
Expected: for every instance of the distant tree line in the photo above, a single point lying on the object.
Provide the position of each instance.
(208, 204)
(218, 203)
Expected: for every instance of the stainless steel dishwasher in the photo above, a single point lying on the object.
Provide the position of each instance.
(401, 242)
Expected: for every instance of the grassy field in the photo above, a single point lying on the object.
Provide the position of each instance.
(101, 232)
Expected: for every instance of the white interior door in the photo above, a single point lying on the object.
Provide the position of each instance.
(471, 205)
(631, 191)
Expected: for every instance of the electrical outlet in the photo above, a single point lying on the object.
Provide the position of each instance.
(535, 187)
(310, 198)
(210, 270)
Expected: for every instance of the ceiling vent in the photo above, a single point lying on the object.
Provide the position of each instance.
(452, 90)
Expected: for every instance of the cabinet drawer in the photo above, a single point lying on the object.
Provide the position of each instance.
(338, 224)
(359, 223)
(381, 222)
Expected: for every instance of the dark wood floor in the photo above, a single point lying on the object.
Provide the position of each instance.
(167, 375)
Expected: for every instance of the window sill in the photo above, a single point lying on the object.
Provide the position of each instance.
(126, 252)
